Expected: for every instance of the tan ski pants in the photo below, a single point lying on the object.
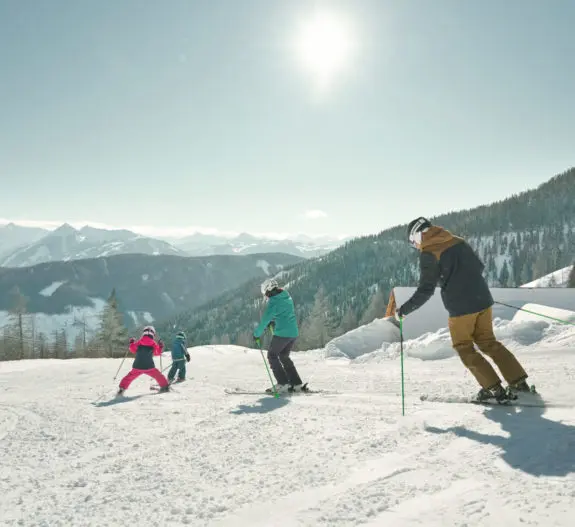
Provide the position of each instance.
(478, 328)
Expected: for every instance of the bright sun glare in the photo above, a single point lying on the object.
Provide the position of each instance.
(325, 46)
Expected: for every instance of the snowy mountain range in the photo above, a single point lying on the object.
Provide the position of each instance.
(25, 246)
(301, 245)
(65, 295)
(67, 243)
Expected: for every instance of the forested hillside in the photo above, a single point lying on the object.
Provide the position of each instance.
(520, 238)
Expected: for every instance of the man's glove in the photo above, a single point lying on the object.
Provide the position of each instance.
(132, 340)
(258, 342)
(161, 344)
(187, 357)
(398, 314)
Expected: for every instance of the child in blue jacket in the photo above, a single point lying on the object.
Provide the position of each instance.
(180, 356)
(280, 313)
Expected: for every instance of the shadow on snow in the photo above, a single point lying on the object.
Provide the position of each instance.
(262, 406)
(536, 445)
(119, 400)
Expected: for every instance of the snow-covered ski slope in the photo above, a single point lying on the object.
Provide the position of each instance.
(196, 456)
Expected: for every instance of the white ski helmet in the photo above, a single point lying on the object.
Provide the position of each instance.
(416, 228)
(149, 331)
(269, 285)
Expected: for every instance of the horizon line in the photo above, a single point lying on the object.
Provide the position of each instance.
(170, 232)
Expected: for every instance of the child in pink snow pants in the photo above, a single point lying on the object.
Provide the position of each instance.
(145, 349)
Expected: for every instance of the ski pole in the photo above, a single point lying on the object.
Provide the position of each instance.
(276, 394)
(401, 354)
(537, 314)
(120, 367)
(170, 365)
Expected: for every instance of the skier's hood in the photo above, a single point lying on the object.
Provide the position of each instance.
(435, 239)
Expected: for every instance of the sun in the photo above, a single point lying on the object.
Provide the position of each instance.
(325, 46)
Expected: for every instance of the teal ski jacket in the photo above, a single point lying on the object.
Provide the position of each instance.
(178, 348)
(281, 311)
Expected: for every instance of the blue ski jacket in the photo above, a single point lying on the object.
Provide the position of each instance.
(281, 311)
(178, 348)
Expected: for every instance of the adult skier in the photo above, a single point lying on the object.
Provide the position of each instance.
(450, 261)
(180, 356)
(145, 349)
(280, 312)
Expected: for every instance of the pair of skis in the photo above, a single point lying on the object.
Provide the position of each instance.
(533, 398)
(304, 391)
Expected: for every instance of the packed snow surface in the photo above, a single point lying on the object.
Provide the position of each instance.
(72, 455)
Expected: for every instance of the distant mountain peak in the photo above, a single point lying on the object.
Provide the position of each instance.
(246, 237)
(64, 230)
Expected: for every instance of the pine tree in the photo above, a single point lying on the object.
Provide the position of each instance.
(504, 275)
(571, 280)
(61, 345)
(376, 308)
(18, 330)
(348, 322)
(112, 335)
(42, 346)
(244, 339)
(318, 329)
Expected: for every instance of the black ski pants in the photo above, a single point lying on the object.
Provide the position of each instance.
(282, 366)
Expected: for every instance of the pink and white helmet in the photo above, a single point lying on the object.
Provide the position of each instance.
(149, 331)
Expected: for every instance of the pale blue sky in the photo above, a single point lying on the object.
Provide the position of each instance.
(196, 113)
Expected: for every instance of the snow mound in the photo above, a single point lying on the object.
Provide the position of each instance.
(363, 340)
(520, 332)
(535, 311)
(557, 278)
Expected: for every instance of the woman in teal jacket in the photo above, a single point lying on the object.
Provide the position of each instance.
(280, 312)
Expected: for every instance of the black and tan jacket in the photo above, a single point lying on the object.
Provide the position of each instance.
(448, 261)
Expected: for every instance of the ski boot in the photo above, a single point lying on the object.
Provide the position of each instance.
(178, 381)
(520, 386)
(120, 392)
(497, 392)
(164, 389)
(295, 388)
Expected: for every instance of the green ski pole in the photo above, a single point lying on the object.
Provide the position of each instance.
(566, 322)
(402, 378)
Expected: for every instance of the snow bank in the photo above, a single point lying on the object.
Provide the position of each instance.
(433, 316)
(521, 332)
(557, 278)
(534, 311)
(363, 339)
(427, 338)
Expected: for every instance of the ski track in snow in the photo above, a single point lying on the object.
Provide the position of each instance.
(200, 457)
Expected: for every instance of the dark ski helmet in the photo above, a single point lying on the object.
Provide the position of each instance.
(181, 335)
(415, 228)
